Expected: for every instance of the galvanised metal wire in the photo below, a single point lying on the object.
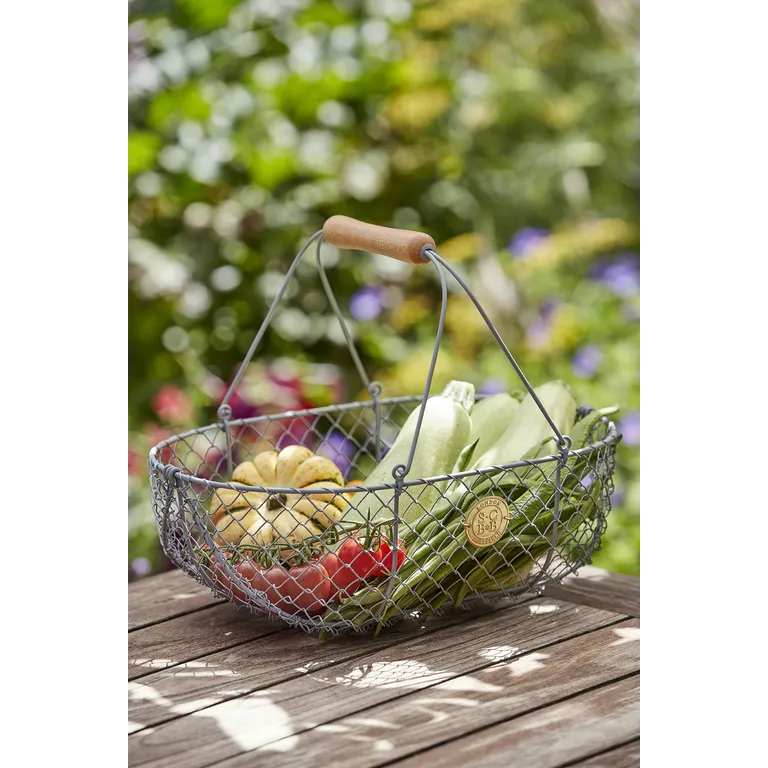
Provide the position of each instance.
(235, 537)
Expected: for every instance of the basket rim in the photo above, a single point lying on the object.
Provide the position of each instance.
(160, 467)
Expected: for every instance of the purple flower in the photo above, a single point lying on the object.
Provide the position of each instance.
(621, 274)
(617, 498)
(339, 449)
(537, 333)
(141, 566)
(588, 479)
(492, 387)
(587, 361)
(549, 306)
(242, 409)
(367, 303)
(525, 240)
(629, 427)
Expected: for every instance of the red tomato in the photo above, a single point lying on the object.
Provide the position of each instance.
(305, 590)
(245, 569)
(269, 581)
(385, 556)
(344, 581)
(362, 561)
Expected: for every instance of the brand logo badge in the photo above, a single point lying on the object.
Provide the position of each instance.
(487, 521)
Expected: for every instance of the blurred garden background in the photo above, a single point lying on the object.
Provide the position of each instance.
(507, 129)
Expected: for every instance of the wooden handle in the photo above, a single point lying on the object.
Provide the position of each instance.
(402, 244)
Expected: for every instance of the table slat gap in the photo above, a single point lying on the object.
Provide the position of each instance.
(165, 596)
(612, 711)
(369, 645)
(624, 756)
(345, 755)
(448, 650)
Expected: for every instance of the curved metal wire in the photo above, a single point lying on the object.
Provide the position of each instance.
(192, 492)
(427, 249)
(176, 477)
(374, 388)
(401, 470)
(331, 296)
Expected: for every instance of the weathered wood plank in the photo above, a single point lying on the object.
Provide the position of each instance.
(162, 597)
(188, 637)
(600, 589)
(447, 711)
(627, 756)
(549, 737)
(235, 727)
(160, 696)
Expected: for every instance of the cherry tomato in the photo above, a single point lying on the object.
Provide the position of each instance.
(344, 581)
(269, 581)
(385, 556)
(362, 561)
(305, 590)
(245, 569)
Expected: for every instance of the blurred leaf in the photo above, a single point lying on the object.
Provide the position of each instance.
(477, 121)
(142, 151)
(461, 247)
(207, 14)
(169, 108)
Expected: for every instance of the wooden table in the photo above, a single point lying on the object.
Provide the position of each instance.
(549, 681)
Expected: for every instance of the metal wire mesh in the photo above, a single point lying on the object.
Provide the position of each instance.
(247, 507)
(240, 539)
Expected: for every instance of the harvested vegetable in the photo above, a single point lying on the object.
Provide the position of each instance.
(444, 432)
(305, 590)
(361, 560)
(259, 518)
(528, 428)
(491, 417)
(244, 570)
(344, 581)
(442, 566)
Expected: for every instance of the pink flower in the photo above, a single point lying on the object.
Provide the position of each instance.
(158, 434)
(136, 463)
(172, 405)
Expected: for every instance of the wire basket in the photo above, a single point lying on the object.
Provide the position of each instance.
(270, 526)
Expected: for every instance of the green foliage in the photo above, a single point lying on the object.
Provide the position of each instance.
(142, 151)
(475, 120)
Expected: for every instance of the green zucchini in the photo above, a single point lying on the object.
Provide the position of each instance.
(528, 428)
(445, 430)
(490, 418)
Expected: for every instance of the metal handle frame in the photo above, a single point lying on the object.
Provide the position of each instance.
(374, 388)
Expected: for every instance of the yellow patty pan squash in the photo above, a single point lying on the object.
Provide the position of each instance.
(258, 518)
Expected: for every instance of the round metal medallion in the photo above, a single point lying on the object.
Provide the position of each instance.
(487, 521)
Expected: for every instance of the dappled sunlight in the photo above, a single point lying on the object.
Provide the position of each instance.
(205, 673)
(309, 665)
(433, 707)
(498, 652)
(428, 708)
(139, 691)
(388, 674)
(154, 663)
(626, 635)
(252, 721)
(186, 669)
(522, 665)
(202, 669)
(539, 608)
(469, 683)
(350, 732)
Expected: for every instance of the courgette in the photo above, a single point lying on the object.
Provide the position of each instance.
(445, 430)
